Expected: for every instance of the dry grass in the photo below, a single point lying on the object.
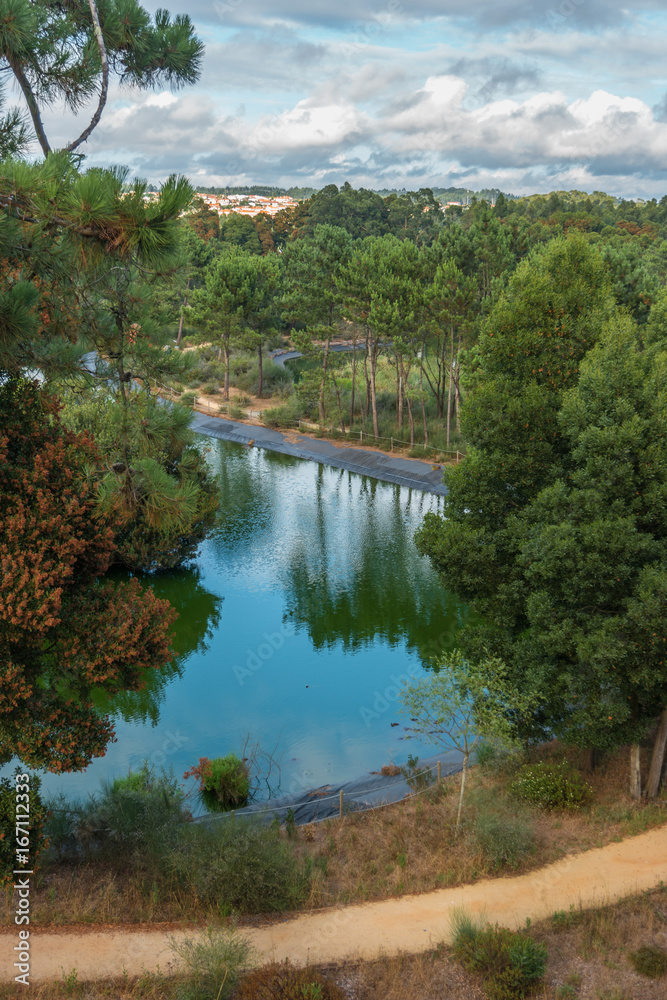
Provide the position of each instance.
(588, 959)
(411, 846)
(404, 848)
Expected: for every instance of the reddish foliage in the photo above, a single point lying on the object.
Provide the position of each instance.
(62, 632)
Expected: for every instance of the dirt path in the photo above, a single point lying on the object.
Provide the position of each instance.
(411, 923)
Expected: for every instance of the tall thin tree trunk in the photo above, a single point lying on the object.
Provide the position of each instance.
(449, 394)
(399, 396)
(421, 390)
(325, 362)
(657, 757)
(354, 380)
(225, 394)
(635, 772)
(338, 399)
(260, 383)
(374, 405)
(463, 788)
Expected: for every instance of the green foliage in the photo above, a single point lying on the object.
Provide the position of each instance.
(552, 786)
(512, 962)
(10, 837)
(137, 812)
(283, 981)
(238, 865)
(213, 962)
(505, 839)
(417, 777)
(224, 782)
(650, 961)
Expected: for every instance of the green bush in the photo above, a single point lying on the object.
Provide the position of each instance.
(237, 412)
(551, 786)
(136, 815)
(649, 961)
(238, 865)
(209, 389)
(282, 416)
(285, 982)
(512, 962)
(224, 782)
(212, 962)
(416, 776)
(37, 818)
(275, 378)
(505, 840)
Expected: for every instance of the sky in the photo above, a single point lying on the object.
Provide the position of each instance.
(522, 96)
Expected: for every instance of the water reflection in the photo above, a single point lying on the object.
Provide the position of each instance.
(198, 618)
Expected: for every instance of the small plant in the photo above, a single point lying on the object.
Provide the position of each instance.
(209, 389)
(566, 992)
(290, 823)
(224, 782)
(287, 982)
(237, 412)
(505, 840)
(551, 786)
(213, 962)
(512, 962)
(417, 777)
(70, 981)
(649, 961)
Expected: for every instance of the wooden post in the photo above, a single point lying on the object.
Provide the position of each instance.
(457, 456)
(392, 444)
(361, 435)
(439, 772)
(341, 803)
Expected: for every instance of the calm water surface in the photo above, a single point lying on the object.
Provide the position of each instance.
(304, 609)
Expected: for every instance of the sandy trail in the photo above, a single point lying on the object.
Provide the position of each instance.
(411, 923)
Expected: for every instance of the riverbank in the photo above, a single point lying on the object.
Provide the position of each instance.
(409, 472)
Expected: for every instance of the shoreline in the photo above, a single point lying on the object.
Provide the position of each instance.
(388, 468)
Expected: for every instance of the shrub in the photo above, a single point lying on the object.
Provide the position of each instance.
(209, 389)
(285, 982)
(224, 782)
(649, 961)
(37, 816)
(238, 864)
(213, 962)
(282, 416)
(505, 840)
(136, 813)
(237, 412)
(512, 962)
(417, 777)
(551, 786)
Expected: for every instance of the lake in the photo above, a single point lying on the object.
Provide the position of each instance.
(306, 609)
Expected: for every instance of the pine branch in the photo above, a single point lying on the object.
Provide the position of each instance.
(31, 101)
(105, 79)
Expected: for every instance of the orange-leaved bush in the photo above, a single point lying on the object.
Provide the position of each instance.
(63, 630)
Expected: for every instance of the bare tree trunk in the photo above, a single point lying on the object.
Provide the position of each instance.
(225, 394)
(463, 788)
(657, 757)
(421, 387)
(399, 397)
(325, 362)
(354, 379)
(635, 772)
(373, 363)
(260, 383)
(338, 400)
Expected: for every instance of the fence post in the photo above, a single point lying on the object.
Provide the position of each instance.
(361, 435)
(457, 456)
(439, 772)
(392, 444)
(341, 804)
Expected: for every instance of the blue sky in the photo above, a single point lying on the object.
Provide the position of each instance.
(517, 95)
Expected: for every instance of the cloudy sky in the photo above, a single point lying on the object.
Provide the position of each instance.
(524, 96)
